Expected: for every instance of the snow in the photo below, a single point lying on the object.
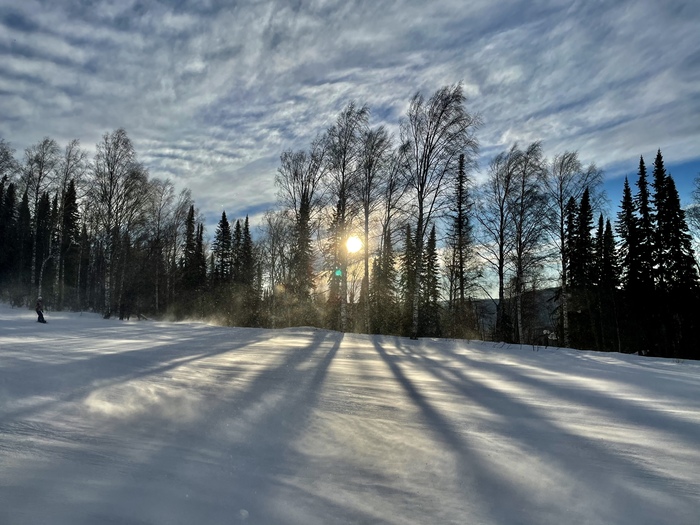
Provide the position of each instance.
(142, 422)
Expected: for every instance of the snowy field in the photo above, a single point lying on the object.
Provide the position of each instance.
(109, 422)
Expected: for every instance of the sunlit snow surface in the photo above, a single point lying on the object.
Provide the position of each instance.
(109, 422)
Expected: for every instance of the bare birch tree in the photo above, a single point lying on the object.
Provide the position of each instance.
(71, 167)
(565, 179)
(434, 133)
(343, 178)
(41, 162)
(299, 189)
(527, 212)
(374, 170)
(115, 183)
(495, 227)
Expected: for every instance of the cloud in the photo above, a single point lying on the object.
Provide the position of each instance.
(212, 92)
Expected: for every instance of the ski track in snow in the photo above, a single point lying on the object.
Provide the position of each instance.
(109, 422)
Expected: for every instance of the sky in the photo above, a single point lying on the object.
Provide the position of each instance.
(143, 422)
(211, 92)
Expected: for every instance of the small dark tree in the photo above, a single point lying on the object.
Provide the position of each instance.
(236, 254)
(430, 290)
(407, 282)
(69, 239)
(8, 235)
(383, 305)
(189, 251)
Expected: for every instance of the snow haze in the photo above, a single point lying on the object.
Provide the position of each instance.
(109, 422)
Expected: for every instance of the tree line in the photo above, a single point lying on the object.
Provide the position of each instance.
(512, 254)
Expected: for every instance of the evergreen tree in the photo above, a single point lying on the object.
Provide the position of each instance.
(570, 233)
(408, 282)
(383, 307)
(247, 256)
(44, 232)
(676, 272)
(605, 281)
(189, 265)
(581, 250)
(674, 257)
(200, 259)
(634, 275)
(662, 220)
(70, 238)
(581, 263)
(679, 261)
(430, 292)
(222, 249)
(8, 234)
(83, 271)
(3, 183)
(460, 244)
(626, 227)
(25, 242)
(598, 252)
(645, 240)
(194, 264)
(248, 273)
(609, 277)
(236, 251)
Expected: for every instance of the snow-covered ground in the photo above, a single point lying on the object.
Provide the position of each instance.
(109, 422)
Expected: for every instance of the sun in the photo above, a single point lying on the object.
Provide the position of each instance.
(354, 244)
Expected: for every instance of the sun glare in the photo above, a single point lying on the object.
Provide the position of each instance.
(354, 244)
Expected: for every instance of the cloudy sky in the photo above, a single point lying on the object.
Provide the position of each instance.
(212, 91)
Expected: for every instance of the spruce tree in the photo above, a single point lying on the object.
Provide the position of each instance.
(627, 231)
(605, 281)
(407, 282)
(681, 270)
(247, 256)
(8, 234)
(430, 292)
(645, 232)
(236, 254)
(248, 270)
(580, 252)
(70, 239)
(582, 256)
(200, 259)
(610, 270)
(663, 220)
(83, 271)
(383, 307)
(570, 236)
(222, 249)
(25, 243)
(460, 243)
(188, 265)
(598, 252)
(44, 232)
(3, 183)
(676, 272)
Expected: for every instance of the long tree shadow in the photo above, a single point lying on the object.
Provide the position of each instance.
(643, 416)
(75, 377)
(532, 429)
(246, 440)
(471, 469)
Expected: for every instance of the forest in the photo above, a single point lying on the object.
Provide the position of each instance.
(521, 252)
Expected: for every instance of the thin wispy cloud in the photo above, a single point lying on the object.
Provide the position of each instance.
(212, 92)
